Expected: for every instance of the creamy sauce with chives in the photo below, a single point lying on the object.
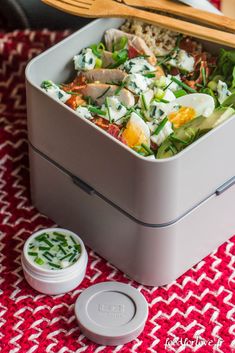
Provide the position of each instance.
(54, 250)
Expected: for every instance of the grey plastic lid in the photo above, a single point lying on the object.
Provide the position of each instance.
(111, 313)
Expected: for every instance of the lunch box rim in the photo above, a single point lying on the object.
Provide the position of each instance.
(127, 148)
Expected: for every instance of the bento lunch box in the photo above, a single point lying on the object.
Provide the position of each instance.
(153, 219)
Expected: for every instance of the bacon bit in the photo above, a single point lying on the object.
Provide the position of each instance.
(74, 101)
(115, 131)
(132, 52)
(202, 60)
(190, 45)
(77, 84)
(191, 83)
(101, 122)
(175, 71)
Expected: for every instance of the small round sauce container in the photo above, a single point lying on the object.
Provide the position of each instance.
(54, 261)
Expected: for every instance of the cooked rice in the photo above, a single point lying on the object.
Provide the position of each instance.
(160, 40)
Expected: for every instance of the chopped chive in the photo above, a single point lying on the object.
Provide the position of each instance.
(40, 237)
(147, 149)
(32, 253)
(118, 90)
(77, 247)
(204, 76)
(72, 257)
(143, 100)
(39, 261)
(73, 240)
(43, 248)
(160, 126)
(47, 242)
(104, 93)
(164, 101)
(96, 110)
(180, 93)
(149, 75)
(72, 92)
(55, 240)
(63, 251)
(47, 257)
(54, 265)
(49, 254)
(59, 235)
(107, 107)
(182, 84)
(65, 257)
(169, 84)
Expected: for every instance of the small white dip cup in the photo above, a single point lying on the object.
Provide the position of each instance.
(54, 281)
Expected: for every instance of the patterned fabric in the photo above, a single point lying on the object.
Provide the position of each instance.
(196, 313)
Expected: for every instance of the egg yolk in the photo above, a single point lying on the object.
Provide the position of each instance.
(133, 135)
(182, 116)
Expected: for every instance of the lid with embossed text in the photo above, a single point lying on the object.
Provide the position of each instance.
(111, 313)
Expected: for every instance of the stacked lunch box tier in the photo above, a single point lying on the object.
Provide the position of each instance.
(153, 219)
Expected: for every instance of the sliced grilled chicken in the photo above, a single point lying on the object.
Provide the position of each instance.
(107, 58)
(112, 35)
(159, 72)
(99, 91)
(105, 75)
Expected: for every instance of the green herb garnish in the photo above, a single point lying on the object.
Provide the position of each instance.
(204, 76)
(54, 265)
(107, 107)
(96, 110)
(160, 126)
(144, 103)
(147, 149)
(104, 93)
(180, 93)
(32, 253)
(182, 84)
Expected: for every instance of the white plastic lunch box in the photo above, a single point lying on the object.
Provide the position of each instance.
(153, 219)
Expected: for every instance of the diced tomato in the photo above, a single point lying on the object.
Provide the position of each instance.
(132, 52)
(101, 122)
(74, 101)
(153, 146)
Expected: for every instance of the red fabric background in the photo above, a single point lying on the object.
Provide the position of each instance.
(200, 303)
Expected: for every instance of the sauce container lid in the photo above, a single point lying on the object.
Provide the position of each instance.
(111, 313)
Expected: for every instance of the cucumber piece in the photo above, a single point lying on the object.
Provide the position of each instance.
(192, 131)
(230, 101)
(217, 117)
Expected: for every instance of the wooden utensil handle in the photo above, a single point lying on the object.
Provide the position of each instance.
(198, 31)
(207, 18)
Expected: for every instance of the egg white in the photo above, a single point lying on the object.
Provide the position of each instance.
(202, 103)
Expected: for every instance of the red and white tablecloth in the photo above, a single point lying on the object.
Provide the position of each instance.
(196, 313)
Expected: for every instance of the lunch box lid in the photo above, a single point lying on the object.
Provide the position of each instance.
(111, 313)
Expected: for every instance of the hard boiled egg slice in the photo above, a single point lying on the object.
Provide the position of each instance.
(188, 107)
(137, 131)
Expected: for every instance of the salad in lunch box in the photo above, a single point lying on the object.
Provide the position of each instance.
(154, 90)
